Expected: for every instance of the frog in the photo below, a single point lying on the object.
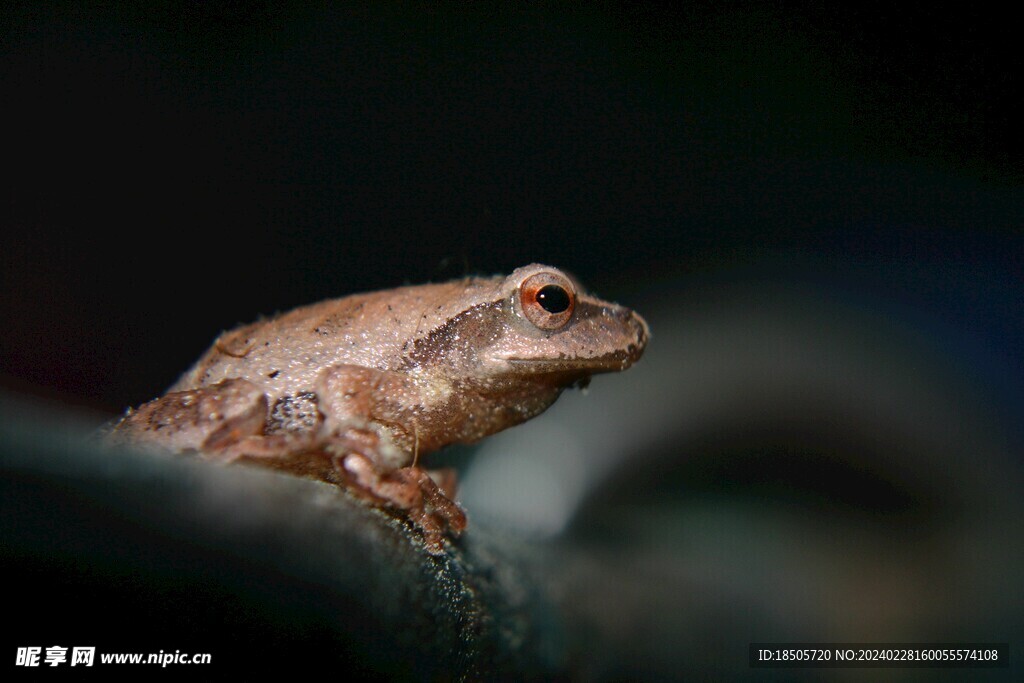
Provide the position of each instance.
(356, 391)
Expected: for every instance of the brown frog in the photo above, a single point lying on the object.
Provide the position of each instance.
(355, 391)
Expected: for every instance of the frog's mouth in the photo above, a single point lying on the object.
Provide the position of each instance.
(593, 323)
(610, 362)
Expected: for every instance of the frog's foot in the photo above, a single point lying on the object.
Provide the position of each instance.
(410, 490)
(446, 479)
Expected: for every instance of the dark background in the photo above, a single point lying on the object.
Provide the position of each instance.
(175, 169)
(737, 174)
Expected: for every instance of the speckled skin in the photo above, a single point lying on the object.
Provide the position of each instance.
(391, 375)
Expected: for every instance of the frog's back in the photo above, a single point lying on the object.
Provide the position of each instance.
(286, 353)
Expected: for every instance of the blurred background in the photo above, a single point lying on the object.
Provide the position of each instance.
(818, 211)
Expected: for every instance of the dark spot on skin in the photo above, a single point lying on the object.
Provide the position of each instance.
(294, 414)
(389, 307)
(320, 331)
(274, 374)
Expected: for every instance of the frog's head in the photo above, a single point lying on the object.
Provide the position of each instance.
(535, 326)
(556, 330)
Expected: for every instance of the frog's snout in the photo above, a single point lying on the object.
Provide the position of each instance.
(643, 332)
(636, 329)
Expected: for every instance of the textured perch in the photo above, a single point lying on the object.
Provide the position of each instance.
(140, 552)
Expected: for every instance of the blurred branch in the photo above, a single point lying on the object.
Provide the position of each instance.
(140, 551)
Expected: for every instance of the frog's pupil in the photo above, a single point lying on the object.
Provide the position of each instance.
(553, 299)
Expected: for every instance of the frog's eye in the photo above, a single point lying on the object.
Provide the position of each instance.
(547, 300)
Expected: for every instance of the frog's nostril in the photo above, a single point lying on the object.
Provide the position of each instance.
(640, 326)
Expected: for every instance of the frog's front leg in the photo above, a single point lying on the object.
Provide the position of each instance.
(373, 432)
(412, 491)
